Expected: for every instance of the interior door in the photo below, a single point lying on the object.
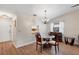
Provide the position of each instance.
(4, 30)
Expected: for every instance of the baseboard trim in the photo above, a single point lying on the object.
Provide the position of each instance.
(24, 44)
(6, 41)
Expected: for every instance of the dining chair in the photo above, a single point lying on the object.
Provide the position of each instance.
(55, 43)
(39, 41)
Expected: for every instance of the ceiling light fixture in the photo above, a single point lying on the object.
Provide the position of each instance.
(45, 18)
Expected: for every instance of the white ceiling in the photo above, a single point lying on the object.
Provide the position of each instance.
(53, 10)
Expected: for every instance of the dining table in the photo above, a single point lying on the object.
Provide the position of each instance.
(47, 39)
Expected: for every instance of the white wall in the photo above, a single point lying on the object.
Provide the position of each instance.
(5, 30)
(71, 24)
(24, 34)
(23, 31)
(42, 27)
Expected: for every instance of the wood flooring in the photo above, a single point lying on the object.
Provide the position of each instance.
(7, 48)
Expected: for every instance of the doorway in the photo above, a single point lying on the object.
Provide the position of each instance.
(5, 30)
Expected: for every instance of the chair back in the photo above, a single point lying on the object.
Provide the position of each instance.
(58, 36)
(38, 37)
(57, 39)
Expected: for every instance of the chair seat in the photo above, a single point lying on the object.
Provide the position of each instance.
(43, 42)
(51, 42)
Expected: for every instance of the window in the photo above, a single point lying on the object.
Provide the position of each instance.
(57, 27)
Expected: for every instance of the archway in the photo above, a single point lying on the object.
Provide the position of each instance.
(7, 26)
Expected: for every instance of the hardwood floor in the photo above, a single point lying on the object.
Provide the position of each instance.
(7, 48)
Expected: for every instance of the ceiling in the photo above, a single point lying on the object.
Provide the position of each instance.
(53, 10)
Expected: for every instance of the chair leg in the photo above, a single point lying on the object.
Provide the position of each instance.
(58, 48)
(36, 46)
(41, 48)
(55, 50)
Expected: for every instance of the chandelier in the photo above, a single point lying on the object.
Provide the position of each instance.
(45, 18)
